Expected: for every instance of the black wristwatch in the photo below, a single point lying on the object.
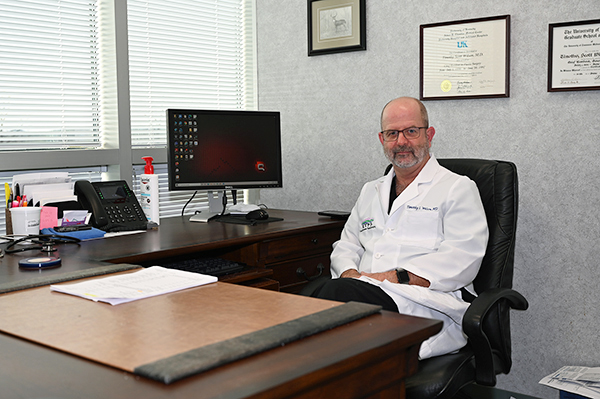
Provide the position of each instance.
(402, 276)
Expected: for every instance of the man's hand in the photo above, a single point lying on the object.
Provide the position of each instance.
(350, 273)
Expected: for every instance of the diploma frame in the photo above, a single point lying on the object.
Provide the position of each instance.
(336, 26)
(495, 41)
(557, 51)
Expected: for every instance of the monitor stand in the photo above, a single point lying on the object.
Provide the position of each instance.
(215, 207)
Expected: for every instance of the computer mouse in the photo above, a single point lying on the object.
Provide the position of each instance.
(259, 214)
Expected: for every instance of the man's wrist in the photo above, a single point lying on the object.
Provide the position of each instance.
(402, 276)
(350, 273)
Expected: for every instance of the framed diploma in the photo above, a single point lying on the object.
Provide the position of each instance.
(336, 26)
(574, 56)
(465, 59)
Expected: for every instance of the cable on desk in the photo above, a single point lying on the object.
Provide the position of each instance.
(186, 204)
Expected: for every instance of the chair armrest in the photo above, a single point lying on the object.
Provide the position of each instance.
(473, 328)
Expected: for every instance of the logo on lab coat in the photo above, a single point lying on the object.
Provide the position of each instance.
(367, 225)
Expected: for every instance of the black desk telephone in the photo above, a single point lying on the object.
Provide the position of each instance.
(113, 205)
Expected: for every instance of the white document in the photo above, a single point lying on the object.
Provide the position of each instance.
(41, 178)
(23, 181)
(48, 192)
(44, 200)
(584, 381)
(153, 281)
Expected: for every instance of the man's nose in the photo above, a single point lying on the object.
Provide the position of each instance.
(402, 140)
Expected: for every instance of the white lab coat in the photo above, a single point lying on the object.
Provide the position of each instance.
(436, 229)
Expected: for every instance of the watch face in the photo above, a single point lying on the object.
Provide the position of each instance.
(402, 275)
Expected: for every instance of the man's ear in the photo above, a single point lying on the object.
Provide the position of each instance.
(380, 138)
(430, 133)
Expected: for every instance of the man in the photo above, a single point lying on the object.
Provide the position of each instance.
(415, 237)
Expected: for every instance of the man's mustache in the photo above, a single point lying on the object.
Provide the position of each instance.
(403, 148)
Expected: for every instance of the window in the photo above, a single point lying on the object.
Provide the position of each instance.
(49, 75)
(63, 73)
(186, 54)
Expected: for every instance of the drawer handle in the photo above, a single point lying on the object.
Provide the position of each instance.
(301, 273)
(314, 241)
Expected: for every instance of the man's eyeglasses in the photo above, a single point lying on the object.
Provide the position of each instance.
(409, 133)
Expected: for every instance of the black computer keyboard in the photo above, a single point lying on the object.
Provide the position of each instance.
(212, 266)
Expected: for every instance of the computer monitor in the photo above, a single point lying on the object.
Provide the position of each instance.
(215, 150)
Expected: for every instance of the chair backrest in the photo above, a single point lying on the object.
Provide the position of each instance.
(498, 186)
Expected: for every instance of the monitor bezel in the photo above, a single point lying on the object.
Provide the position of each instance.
(209, 186)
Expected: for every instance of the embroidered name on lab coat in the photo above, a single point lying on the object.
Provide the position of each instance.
(422, 208)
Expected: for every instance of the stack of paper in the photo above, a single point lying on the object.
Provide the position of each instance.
(42, 188)
(155, 280)
(584, 381)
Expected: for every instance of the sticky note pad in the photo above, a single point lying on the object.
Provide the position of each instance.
(48, 217)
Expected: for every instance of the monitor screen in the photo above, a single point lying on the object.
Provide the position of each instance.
(218, 150)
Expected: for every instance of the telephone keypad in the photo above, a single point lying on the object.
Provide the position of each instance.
(124, 213)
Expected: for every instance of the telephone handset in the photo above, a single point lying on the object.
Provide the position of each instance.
(113, 205)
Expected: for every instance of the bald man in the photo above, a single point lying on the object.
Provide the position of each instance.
(415, 237)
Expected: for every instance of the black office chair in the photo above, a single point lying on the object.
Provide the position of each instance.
(486, 322)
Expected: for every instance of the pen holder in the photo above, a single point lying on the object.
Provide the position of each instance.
(25, 220)
(8, 221)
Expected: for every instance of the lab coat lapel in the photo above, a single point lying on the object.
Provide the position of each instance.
(383, 187)
(415, 188)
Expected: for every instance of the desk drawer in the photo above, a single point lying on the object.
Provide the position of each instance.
(307, 244)
(287, 272)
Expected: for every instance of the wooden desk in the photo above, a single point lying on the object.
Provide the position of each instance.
(302, 239)
(366, 358)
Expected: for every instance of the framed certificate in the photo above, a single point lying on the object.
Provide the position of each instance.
(336, 26)
(574, 56)
(465, 59)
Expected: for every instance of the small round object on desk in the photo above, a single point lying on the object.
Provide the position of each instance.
(41, 262)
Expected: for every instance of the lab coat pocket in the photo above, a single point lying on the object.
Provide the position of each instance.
(420, 228)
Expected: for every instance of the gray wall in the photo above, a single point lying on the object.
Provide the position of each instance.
(330, 108)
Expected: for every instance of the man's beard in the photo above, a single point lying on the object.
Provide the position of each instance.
(419, 153)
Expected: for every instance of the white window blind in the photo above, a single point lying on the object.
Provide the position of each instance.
(48, 74)
(187, 54)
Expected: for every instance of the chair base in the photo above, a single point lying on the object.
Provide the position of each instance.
(442, 377)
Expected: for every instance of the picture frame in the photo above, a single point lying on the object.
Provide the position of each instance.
(336, 26)
(574, 56)
(465, 59)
